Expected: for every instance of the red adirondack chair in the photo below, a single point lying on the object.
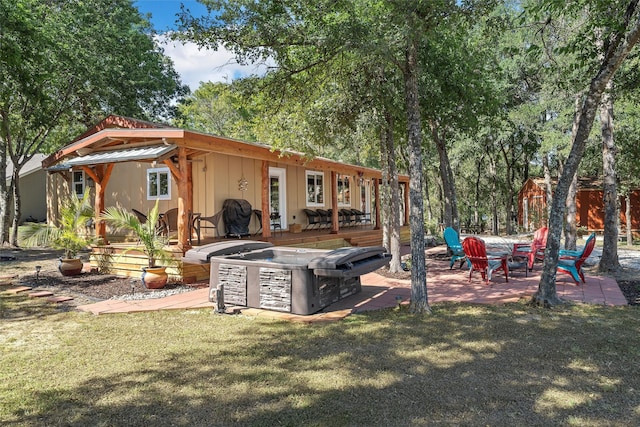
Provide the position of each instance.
(476, 252)
(533, 250)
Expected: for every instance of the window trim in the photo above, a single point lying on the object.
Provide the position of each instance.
(158, 172)
(82, 182)
(315, 174)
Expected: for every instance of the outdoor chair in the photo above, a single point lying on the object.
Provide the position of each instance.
(210, 222)
(313, 218)
(534, 250)
(143, 220)
(362, 218)
(141, 217)
(169, 221)
(275, 222)
(452, 240)
(325, 217)
(476, 252)
(571, 262)
(347, 219)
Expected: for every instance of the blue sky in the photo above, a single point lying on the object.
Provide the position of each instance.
(164, 11)
(194, 65)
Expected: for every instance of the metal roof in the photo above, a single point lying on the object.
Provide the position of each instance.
(116, 156)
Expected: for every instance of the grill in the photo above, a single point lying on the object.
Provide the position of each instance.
(293, 280)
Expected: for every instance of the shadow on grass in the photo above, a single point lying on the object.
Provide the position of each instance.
(468, 365)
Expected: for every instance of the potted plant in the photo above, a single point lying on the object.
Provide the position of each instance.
(71, 234)
(150, 236)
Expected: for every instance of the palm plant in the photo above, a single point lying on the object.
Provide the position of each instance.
(71, 234)
(148, 232)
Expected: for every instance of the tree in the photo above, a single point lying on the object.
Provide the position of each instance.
(609, 260)
(69, 63)
(621, 34)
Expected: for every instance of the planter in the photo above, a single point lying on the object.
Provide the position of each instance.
(154, 277)
(70, 266)
(295, 228)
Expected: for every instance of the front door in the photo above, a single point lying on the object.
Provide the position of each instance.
(278, 194)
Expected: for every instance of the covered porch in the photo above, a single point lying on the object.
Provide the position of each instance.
(206, 170)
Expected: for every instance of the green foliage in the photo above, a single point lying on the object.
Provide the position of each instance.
(71, 234)
(149, 234)
(219, 109)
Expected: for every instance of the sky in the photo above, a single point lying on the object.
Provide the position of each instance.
(194, 65)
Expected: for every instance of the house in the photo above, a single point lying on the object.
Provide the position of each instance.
(532, 205)
(33, 189)
(133, 163)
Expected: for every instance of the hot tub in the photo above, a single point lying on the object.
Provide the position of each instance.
(288, 279)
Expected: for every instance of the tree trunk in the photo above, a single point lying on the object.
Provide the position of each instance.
(13, 239)
(394, 217)
(570, 229)
(427, 198)
(613, 58)
(4, 205)
(5, 194)
(419, 298)
(494, 200)
(547, 186)
(609, 260)
(385, 206)
(451, 218)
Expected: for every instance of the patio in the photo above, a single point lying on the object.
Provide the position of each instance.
(443, 285)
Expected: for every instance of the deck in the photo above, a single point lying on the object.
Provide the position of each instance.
(120, 259)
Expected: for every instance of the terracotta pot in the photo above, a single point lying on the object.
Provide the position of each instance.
(154, 277)
(70, 266)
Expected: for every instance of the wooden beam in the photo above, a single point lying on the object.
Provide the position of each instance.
(266, 218)
(100, 175)
(335, 226)
(406, 203)
(172, 167)
(376, 188)
(183, 190)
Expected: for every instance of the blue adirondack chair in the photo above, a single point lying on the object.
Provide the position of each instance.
(570, 262)
(453, 243)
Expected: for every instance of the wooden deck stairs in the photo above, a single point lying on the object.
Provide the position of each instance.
(119, 259)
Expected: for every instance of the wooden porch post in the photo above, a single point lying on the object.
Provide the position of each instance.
(266, 218)
(100, 176)
(183, 199)
(335, 227)
(376, 188)
(181, 175)
(406, 203)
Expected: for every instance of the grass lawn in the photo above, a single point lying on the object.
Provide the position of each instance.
(464, 365)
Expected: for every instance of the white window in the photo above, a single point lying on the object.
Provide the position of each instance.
(315, 188)
(343, 188)
(158, 184)
(77, 183)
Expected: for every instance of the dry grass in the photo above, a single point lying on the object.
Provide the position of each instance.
(464, 365)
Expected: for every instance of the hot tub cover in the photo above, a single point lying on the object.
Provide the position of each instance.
(204, 253)
(350, 261)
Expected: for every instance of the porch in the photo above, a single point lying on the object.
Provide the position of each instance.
(121, 260)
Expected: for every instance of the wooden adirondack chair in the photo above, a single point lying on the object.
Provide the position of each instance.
(453, 243)
(476, 252)
(533, 250)
(570, 262)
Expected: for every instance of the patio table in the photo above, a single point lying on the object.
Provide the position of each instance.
(503, 256)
